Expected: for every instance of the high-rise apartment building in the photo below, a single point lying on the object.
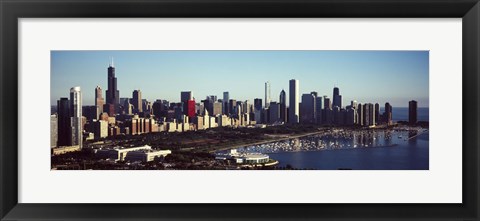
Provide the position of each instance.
(388, 113)
(412, 112)
(368, 114)
(360, 120)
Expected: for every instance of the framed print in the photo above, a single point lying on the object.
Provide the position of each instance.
(278, 109)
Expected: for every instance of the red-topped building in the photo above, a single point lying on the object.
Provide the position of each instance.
(191, 108)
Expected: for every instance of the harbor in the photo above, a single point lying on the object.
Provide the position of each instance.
(399, 148)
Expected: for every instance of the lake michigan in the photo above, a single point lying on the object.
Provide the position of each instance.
(379, 150)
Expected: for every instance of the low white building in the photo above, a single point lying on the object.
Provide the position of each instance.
(243, 158)
(121, 153)
(146, 155)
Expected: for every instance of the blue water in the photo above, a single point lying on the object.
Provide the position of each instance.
(401, 113)
(412, 154)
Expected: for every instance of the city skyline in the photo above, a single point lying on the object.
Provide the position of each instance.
(140, 70)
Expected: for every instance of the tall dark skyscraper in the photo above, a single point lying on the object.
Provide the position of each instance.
(369, 114)
(318, 109)
(137, 101)
(337, 98)
(307, 109)
(412, 112)
(185, 96)
(226, 97)
(232, 106)
(257, 104)
(377, 113)
(388, 113)
(274, 112)
(294, 98)
(63, 111)
(360, 120)
(283, 106)
(112, 93)
(257, 110)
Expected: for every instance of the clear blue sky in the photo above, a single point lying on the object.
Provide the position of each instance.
(365, 76)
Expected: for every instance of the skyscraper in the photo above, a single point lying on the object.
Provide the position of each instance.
(372, 114)
(63, 111)
(377, 113)
(112, 93)
(232, 106)
(257, 110)
(267, 94)
(353, 104)
(327, 103)
(294, 112)
(99, 102)
(217, 108)
(137, 101)
(213, 98)
(327, 114)
(315, 95)
(412, 112)
(53, 131)
(274, 112)
(226, 97)
(307, 110)
(318, 109)
(76, 116)
(191, 108)
(283, 106)
(185, 96)
(257, 104)
(245, 107)
(337, 98)
(360, 120)
(368, 114)
(388, 113)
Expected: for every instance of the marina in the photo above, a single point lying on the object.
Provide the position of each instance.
(400, 148)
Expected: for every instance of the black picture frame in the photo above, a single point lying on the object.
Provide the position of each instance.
(12, 10)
